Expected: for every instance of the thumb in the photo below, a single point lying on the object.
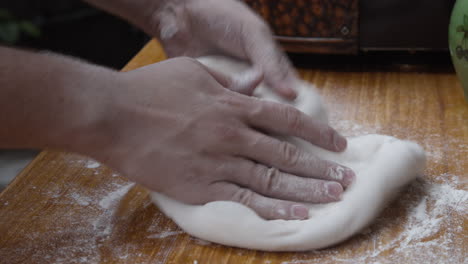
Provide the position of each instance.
(244, 83)
(264, 53)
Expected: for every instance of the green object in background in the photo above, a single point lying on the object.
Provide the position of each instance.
(458, 41)
(12, 28)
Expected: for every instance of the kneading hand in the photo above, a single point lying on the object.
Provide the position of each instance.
(227, 27)
(177, 129)
(195, 28)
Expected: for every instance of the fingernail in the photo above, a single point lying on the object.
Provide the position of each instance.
(292, 93)
(334, 190)
(341, 174)
(288, 91)
(336, 173)
(348, 177)
(289, 94)
(299, 212)
(339, 142)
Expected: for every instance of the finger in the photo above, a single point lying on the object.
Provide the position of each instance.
(244, 83)
(288, 121)
(289, 158)
(263, 52)
(265, 207)
(273, 183)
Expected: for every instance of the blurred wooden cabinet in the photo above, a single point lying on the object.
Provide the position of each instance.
(348, 26)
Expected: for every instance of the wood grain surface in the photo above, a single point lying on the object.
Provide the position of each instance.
(65, 208)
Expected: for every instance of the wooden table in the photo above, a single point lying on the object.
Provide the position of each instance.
(65, 208)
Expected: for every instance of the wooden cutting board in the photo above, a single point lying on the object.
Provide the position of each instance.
(65, 208)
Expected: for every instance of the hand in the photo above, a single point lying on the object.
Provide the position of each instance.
(174, 128)
(199, 27)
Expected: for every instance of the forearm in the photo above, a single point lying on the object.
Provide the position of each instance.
(48, 100)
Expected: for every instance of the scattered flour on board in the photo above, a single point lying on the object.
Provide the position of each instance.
(103, 223)
(305, 261)
(80, 161)
(80, 199)
(92, 164)
(111, 197)
(88, 227)
(200, 241)
(165, 234)
(428, 224)
(432, 213)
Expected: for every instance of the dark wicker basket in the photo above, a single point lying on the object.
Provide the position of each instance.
(326, 26)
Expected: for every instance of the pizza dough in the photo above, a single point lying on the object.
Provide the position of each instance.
(382, 164)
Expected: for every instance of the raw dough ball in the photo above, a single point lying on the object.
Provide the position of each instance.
(382, 164)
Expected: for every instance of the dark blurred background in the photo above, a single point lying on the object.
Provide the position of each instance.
(70, 27)
(389, 31)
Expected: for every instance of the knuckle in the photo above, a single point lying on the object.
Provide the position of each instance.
(278, 211)
(293, 118)
(263, 28)
(290, 154)
(244, 196)
(256, 171)
(272, 181)
(257, 26)
(326, 135)
(257, 109)
(320, 167)
(217, 191)
(223, 169)
(257, 142)
(227, 133)
(184, 59)
(233, 101)
(267, 180)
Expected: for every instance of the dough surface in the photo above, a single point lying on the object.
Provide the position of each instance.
(382, 164)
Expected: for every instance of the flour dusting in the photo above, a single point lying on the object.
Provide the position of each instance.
(165, 234)
(112, 197)
(92, 164)
(81, 200)
(433, 212)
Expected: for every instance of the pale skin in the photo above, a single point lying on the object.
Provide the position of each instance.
(177, 127)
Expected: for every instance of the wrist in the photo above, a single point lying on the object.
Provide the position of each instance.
(88, 91)
(110, 102)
